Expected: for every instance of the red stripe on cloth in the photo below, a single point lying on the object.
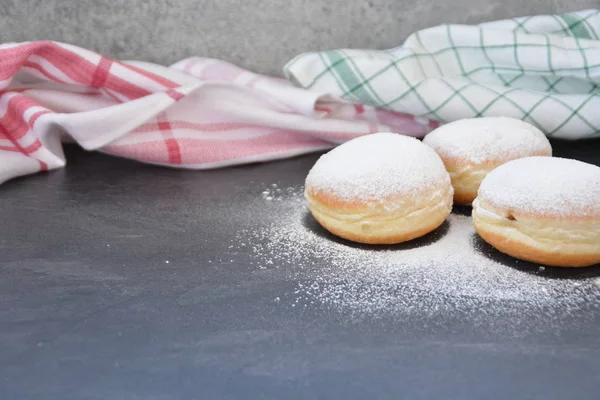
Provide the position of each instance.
(14, 90)
(13, 126)
(174, 94)
(382, 111)
(33, 147)
(101, 73)
(198, 151)
(36, 115)
(83, 71)
(173, 150)
(24, 150)
(207, 127)
(11, 148)
(359, 108)
(232, 126)
(40, 69)
(156, 78)
(11, 59)
(111, 95)
(71, 64)
(125, 88)
(324, 109)
(43, 165)
(94, 93)
(13, 120)
(78, 69)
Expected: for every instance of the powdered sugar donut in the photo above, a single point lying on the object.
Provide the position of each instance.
(382, 188)
(542, 209)
(471, 148)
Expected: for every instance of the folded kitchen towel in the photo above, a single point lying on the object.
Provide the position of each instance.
(199, 113)
(542, 69)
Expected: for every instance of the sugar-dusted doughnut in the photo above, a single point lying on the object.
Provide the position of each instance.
(542, 209)
(382, 188)
(471, 148)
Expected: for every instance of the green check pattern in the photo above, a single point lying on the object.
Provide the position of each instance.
(542, 69)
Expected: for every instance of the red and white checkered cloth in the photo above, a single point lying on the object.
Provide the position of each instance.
(199, 113)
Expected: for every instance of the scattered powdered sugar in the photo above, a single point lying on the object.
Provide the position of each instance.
(446, 269)
(377, 166)
(545, 185)
(274, 193)
(484, 139)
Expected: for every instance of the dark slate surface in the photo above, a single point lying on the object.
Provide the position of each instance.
(89, 308)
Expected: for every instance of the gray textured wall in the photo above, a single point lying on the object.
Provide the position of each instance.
(257, 34)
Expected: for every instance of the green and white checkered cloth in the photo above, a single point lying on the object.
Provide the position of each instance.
(542, 69)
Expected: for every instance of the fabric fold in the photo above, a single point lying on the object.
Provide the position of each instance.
(199, 113)
(544, 70)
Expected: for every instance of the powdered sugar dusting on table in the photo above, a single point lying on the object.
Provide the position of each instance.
(479, 140)
(376, 167)
(545, 185)
(445, 269)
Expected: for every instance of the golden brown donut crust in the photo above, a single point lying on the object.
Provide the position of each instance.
(471, 148)
(526, 252)
(467, 176)
(560, 241)
(383, 188)
(388, 221)
(376, 239)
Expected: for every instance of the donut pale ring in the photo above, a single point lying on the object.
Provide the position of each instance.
(382, 188)
(542, 209)
(471, 148)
